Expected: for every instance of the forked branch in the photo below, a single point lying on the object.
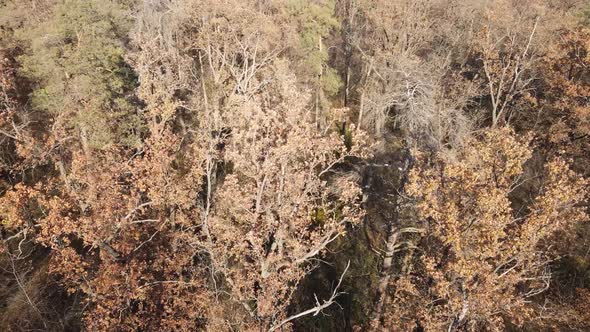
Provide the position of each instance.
(319, 306)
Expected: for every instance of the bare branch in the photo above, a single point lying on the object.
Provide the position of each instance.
(319, 307)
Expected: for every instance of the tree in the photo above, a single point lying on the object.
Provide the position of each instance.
(314, 21)
(406, 80)
(483, 261)
(76, 57)
(276, 211)
(507, 54)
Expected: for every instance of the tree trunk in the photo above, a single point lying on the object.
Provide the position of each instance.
(393, 233)
(361, 109)
(347, 31)
(385, 277)
(319, 89)
(84, 139)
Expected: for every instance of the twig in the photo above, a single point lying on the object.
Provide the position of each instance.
(319, 306)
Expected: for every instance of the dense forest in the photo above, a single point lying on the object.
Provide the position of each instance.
(294, 165)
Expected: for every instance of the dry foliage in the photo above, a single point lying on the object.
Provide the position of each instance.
(183, 165)
(483, 262)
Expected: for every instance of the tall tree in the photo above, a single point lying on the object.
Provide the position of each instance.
(483, 262)
(76, 57)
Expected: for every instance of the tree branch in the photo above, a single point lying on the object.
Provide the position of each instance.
(319, 307)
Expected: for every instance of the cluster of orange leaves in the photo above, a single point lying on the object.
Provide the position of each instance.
(483, 261)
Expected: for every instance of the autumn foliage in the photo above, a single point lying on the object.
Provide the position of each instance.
(294, 165)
